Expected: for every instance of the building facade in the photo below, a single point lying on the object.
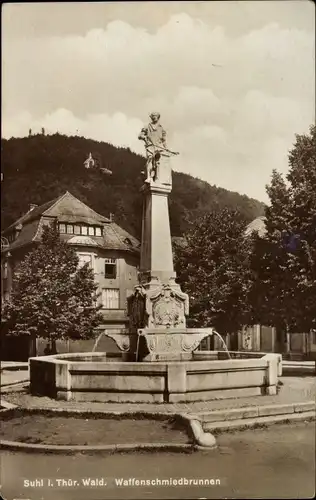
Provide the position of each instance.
(111, 252)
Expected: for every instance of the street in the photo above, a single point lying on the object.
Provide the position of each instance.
(278, 462)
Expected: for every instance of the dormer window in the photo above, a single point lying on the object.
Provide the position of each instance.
(127, 241)
(80, 229)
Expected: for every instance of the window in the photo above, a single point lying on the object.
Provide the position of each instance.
(85, 258)
(110, 268)
(80, 229)
(110, 298)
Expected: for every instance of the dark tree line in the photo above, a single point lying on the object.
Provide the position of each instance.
(41, 167)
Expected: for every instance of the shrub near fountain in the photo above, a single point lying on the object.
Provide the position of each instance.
(157, 363)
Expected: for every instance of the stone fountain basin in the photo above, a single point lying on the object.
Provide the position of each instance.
(219, 355)
(102, 377)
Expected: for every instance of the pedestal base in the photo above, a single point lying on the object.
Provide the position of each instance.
(169, 344)
(153, 344)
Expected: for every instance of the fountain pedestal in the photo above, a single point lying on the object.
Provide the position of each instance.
(171, 344)
(158, 308)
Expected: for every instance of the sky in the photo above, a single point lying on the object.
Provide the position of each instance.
(234, 81)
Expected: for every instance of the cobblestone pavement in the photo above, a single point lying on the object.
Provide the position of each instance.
(293, 390)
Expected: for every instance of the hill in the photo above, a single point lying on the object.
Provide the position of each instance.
(39, 168)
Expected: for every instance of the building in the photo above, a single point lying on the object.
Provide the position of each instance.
(111, 252)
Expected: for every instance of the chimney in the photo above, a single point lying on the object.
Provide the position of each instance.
(32, 206)
(111, 217)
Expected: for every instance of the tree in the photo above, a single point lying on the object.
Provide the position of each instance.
(52, 297)
(284, 293)
(214, 269)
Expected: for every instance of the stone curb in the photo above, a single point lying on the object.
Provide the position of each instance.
(296, 371)
(202, 439)
(139, 414)
(14, 384)
(244, 424)
(255, 411)
(12, 367)
(5, 406)
(17, 445)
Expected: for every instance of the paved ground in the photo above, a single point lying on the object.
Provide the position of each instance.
(13, 376)
(294, 389)
(278, 462)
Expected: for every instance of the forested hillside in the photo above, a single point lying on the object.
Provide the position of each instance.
(39, 168)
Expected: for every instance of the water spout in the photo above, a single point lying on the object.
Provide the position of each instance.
(98, 340)
(223, 342)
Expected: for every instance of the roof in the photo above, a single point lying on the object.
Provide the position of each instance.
(64, 207)
(27, 235)
(117, 238)
(83, 240)
(67, 208)
(258, 225)
(33, 214)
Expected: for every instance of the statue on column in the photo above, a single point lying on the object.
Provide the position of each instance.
(154, 137)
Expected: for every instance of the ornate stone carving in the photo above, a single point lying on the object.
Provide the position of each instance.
(166, 307)
(175, 343)
(191, 342)
(122, 340)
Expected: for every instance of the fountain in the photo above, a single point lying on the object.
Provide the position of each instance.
(159, 362)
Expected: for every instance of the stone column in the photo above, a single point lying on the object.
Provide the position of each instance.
(165, 306)
(158, 307)
(156, 260)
